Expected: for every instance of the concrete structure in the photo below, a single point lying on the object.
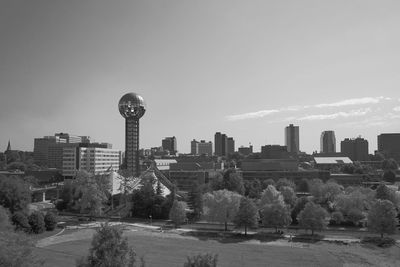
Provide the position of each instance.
(389, 145)
(328, 142)
(169, 143)
(41, 149)
(292, 139)
(327, 163)
(245, 150)
(356, 149)
(269, 165)
(230, 146)
(194, 149)
(132, 107)
(274, 152)
(201, 148)
(224, 145)
(91, 159)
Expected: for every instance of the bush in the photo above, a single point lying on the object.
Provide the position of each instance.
(336, 217)
(384, 242)
(50, 221)
(36, 222)
(20, 221)
(206, 260)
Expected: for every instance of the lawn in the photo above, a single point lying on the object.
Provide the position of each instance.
(170, 249)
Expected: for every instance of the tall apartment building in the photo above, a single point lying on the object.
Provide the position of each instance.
(356, 149)
(389, 145)
(224, 145)
(292, 138)
(194, 147)
(169, 143)
(94, 160)
(201, 148)
(328, 142)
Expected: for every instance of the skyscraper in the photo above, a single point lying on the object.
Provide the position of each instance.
(292, 139)
(169, 143)
(194, 147)
(230, 146)
(132, 108)
(224, 145)
(356, 149)
(389, 145)
(328, 142)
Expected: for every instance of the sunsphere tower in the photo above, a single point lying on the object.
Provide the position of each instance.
(132, 108)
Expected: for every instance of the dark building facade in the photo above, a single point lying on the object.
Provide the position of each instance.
(230, 145)
(356, 149)
(389, 145)
(169, 143)
(274, 152)
(328, 142)
(292, 139)
(246, 150)
(224, 145)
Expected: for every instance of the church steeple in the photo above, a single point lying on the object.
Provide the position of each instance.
(8, 146)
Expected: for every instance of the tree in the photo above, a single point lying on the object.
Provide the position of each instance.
(289, 196)
(382, 217)
(270, 196)
(312, 217)
(276, 215)
(50, 221)
(303, 186)
(233, 181)
(299, 206)
(14, 193)
(389, 176)
(267, 182)
(177, 213)
(389, 164)
(337, 217)
(221, 206)
(202, 260)
(92, 192)
(383, 192)
(196, 200)
(109, 249)
(20, 222)
(36, 221)
(247, 214)
(284, 182)
(4, 219)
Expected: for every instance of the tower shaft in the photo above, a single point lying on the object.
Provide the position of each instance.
(132, 146)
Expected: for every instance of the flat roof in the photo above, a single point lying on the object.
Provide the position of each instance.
(332, 160)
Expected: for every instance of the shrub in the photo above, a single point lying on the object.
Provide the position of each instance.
(337, 217)
(50, 221)
(36, 222)
(20, 221)
(206, 260)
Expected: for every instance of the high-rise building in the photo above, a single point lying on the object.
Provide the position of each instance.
(41, 150)
(328, 142)
(356, 149)
(169, 143)
(389, 145)
(194, 148)
(94, 160)
(230, 146)
(245, 150)
(292, 139)
(218, 144)
(205, 148)
(132, 107)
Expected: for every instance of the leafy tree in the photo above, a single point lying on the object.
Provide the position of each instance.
(36, 221)
(201, 260)
(221, 206)
(382, 217)
(289, 196)
(233, 181)
(298, 206)
(247, 214)
(389, 164)
(14, 193)
(284, 182)
(389, 176)
(383, 192)
(312, 217)
(109, 249)
(252, 188)
(303, 186)
(20, 221)
(177, 213)
(276, 215)
(355, 216)
(196, 200)
(270, 196)
(92, 192)
(267, 182)
(337, 217)
(50, 221)
(17, 165)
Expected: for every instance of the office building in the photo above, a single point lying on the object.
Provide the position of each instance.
(328, 142)
(292, 139)
(169, 143)
(389, 145)
(246, 150)
(41, 149)
(201, 148)
(274, 152)
(224, 145)
(194, 148)
(131, 106)
(356, 149)
(230, 146)
(94, 160)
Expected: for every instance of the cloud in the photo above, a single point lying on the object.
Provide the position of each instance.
(397, 109)
(341, 114)
(252, 115)
(354, 101)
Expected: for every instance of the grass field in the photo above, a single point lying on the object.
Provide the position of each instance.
(171, 249)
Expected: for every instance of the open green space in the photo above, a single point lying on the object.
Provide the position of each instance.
(171, 249)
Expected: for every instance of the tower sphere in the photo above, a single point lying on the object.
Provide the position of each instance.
(131, 105)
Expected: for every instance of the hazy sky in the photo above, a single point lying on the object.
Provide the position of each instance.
(246, 68)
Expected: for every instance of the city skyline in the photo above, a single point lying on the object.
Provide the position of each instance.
(247, 70)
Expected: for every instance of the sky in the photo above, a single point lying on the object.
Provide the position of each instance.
(244, 68)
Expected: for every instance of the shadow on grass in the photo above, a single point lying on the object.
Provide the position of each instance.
(307, 238)
(385, 242)
(231, 237)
